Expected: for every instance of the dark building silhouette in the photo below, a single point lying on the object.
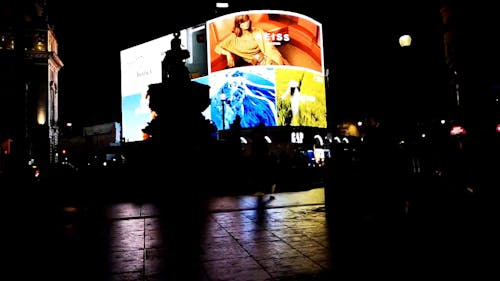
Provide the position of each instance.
(29, 67)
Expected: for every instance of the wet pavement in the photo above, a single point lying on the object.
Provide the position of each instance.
(245, 237)
(242, 243)
(289, 236)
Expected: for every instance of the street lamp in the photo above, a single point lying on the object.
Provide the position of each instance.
(405, 40)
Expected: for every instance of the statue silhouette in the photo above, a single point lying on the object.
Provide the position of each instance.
(180, 139)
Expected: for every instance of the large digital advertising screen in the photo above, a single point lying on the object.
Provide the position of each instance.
(141, 66)
(265, 66)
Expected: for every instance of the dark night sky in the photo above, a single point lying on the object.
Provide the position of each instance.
(90, 39)
(360, 43)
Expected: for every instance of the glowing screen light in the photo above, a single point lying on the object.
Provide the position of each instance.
(275, 77)
(457, 130)
(279, 81)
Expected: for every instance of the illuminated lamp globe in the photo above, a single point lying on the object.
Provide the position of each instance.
(405, 40)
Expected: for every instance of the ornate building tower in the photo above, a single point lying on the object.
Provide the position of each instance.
(29, 69)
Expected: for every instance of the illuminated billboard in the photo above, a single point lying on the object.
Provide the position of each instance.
(141, 66)
(264, 65)
(267, 67)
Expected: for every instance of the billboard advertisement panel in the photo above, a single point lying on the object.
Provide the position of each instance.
(265, 66)
(141, 66)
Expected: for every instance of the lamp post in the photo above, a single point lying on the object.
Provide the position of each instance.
(408, 82)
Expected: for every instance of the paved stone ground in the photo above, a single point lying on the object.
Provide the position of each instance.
(271, 244)
(240, 238)
(292, 237)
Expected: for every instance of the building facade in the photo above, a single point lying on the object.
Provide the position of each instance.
(29, 71)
